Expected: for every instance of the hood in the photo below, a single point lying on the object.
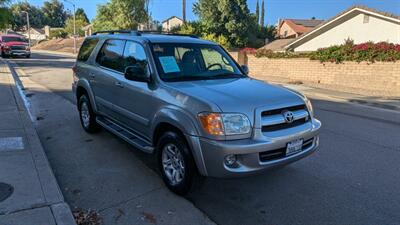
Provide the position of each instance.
(12, 43)
(238, 95)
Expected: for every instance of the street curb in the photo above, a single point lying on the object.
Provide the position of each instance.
(54, 52)
(61, 212)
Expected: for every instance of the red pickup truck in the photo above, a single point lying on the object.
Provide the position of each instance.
(14, 45)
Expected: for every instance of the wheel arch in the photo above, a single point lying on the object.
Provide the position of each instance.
(179, 122)
(83, 87)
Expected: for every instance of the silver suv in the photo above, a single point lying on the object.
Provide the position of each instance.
(186, 101)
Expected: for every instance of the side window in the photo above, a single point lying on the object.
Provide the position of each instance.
(134, 54)
(87, 48)
(110, 55)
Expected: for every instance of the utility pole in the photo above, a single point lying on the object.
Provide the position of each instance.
(184, 10)
(28, 26)
(73, 5)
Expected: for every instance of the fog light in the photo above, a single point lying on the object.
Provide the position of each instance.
(230, 160)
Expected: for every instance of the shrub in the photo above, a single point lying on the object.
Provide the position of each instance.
(382, 51)
(369, 51)
(222, 40)
(273, 55)
(58, 33)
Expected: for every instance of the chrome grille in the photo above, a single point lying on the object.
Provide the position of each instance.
(273, 120)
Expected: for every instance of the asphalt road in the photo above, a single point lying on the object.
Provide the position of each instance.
(354, 178)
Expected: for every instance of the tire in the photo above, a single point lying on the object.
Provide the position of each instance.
(87, 116)
(172, 146)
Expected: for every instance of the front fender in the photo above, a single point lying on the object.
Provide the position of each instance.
(176, 117)
(187, 124)
(83, 83)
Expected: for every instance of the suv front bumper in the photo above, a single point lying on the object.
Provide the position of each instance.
(17, 52)
(211, 160)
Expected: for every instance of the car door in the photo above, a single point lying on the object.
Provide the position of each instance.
(135, 102)
(103, 76)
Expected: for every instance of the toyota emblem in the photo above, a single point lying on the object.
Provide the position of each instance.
(288, 115)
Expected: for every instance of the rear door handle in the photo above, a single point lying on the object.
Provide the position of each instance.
(119, 84)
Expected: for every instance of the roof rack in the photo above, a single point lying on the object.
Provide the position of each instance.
(132, 32)
(139, 33)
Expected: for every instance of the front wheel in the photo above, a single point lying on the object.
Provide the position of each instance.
(175, 162)
(87, 116)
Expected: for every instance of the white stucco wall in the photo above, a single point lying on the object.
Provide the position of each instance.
(375, 30)
(169, 24)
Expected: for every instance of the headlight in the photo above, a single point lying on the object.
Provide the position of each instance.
(309, 107)
(225, 123)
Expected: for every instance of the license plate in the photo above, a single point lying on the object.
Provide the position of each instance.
(294, 147)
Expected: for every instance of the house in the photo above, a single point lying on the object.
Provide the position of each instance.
(88, 29)
(171, 22)
(293, 28)
(358, 23)
(278, 45)
(36, 34)
(149, 26)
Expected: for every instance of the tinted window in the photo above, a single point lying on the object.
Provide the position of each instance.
(87, 48)
(110, 55)
(14, 39)
(134, 54)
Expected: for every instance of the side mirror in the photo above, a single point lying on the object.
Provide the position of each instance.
(136, 73)
(245, 69)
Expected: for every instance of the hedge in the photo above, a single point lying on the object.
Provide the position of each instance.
(369, 51)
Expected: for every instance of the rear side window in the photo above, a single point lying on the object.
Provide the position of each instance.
(87, 49)
(110, 55)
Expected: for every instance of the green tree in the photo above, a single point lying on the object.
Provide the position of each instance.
(5, 15)
(231, 19)
(80, 13)
(80, 22)
(262, 14)
(257, 13)
(120, 14)
(18, 22)
(54, 13)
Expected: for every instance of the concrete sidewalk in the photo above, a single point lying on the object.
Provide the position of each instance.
(29, 193)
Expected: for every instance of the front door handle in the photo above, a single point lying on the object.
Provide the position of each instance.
(119, 84)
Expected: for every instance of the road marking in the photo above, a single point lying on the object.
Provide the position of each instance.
(11, 143)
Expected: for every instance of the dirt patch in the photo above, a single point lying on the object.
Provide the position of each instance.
(60, 45)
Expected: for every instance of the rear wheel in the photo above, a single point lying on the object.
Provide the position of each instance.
(175, 162)
(87, 116)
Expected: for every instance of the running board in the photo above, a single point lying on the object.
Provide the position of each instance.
(125, 134)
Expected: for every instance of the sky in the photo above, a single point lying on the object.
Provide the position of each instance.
(274, 9)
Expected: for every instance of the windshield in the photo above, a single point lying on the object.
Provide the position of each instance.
(181, 62)
(13, 39)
